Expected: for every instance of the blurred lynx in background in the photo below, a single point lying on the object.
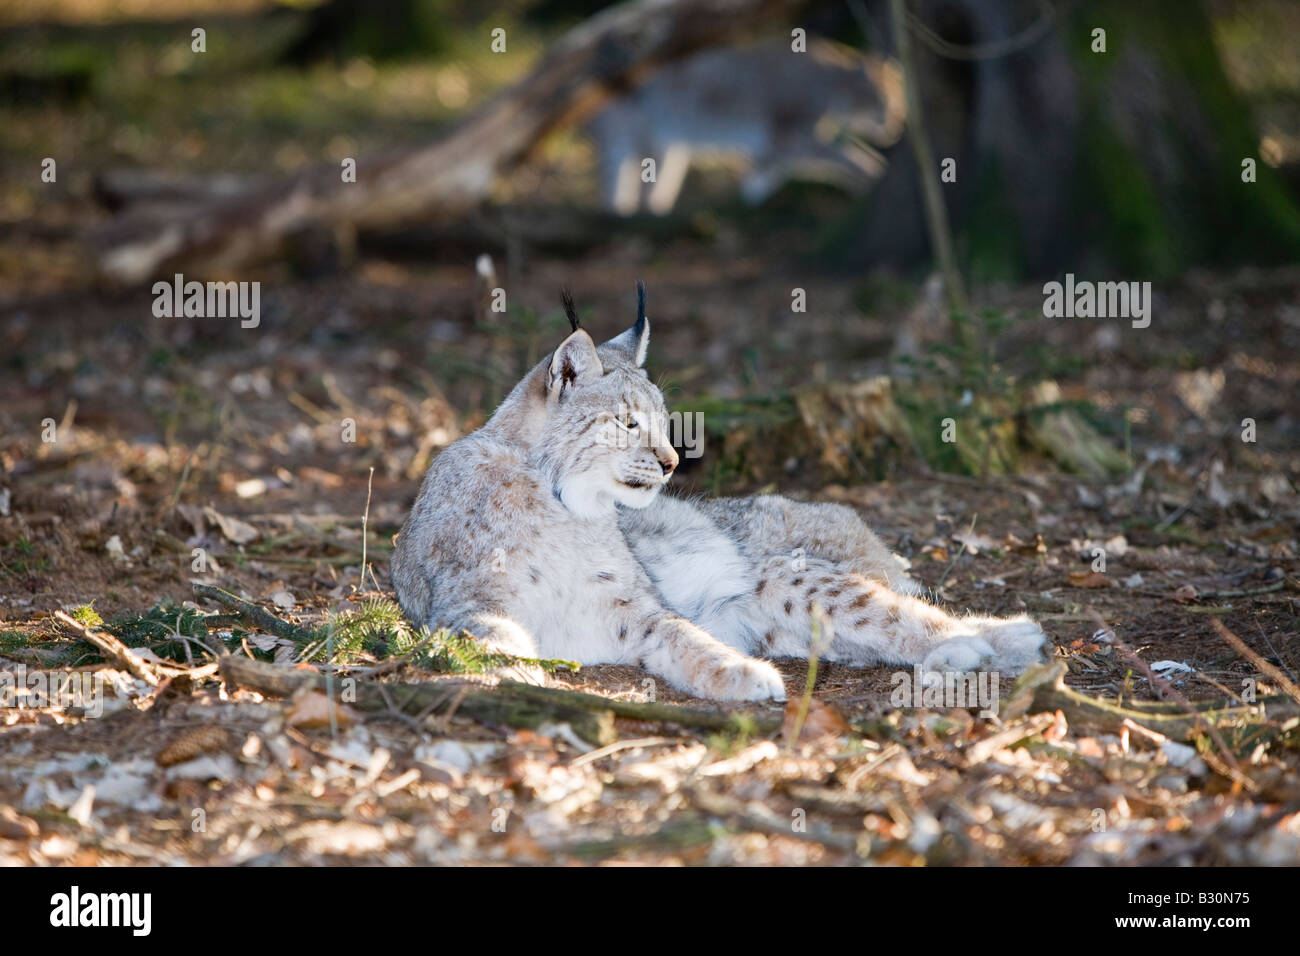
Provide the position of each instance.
(780, 115)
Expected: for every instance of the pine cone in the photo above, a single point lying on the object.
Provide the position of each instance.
(191, 744)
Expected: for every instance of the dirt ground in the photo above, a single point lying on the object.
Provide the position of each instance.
(155, 420)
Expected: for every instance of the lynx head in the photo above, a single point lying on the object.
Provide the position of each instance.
(605, 439)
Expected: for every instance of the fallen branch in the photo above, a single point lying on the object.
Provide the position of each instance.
(115, 650)
(506, 702)
(1254, 657)
(1042, 688)
(611, 51)
(474, 699)
(256, 617)
(722, 720)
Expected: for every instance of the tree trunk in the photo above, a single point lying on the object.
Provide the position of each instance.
(1067, 159)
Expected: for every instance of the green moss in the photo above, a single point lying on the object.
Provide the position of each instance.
(86, 615)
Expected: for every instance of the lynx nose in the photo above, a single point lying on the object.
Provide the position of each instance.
(668, 462)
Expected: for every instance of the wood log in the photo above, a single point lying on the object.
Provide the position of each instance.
(505, 703)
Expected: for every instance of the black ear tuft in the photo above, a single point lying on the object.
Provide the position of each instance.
(567, 298)
(640, 307)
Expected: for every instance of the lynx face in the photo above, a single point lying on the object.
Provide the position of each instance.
(605, 440)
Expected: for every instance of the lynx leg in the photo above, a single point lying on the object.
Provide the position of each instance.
(770, 525)
(873, 625)
(626, 196)
(694, 661)
(668, 179)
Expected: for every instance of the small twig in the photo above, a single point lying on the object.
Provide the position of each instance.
(982, 750)
(986, 51)
(255, 616)
(393, 664)
(936, 213)
(1246, 592)
(416, 723)
(960, 551)
(1248, 652)
(1264, 637)
(592, 756)
(1178, 513)
(857, 774)
(755, 816)
(1234, 770)
(365, 520)
(821, 637)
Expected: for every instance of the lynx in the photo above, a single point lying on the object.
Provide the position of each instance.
(813, 115)
(546, 534)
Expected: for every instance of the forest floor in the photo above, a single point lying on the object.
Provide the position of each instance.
(175, 434)
(128, 441)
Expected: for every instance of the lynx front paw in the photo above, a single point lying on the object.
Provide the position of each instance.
(744, 679)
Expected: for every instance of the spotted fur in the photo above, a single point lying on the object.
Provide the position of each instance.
(544, 534)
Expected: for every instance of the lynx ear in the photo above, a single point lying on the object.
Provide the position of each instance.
(574, 363)
(632, 345)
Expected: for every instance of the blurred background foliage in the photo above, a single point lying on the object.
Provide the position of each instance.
(1150, 189)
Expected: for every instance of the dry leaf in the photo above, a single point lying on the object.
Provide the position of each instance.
(823, 720)
(284, 600)
(232, 529)
(313, 709)
(1090, 580)
(15, 826)
(1056, 733)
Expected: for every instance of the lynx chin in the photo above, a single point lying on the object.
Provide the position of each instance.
(566, 480)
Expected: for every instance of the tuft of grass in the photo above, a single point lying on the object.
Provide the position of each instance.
(21, 558)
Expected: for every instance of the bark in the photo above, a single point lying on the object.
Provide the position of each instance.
(1073, 160)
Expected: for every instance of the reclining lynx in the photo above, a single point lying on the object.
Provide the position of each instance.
(544, 534)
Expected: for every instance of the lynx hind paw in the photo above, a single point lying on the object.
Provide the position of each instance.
(747, 679)
(959, 654)
(1016, 642)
